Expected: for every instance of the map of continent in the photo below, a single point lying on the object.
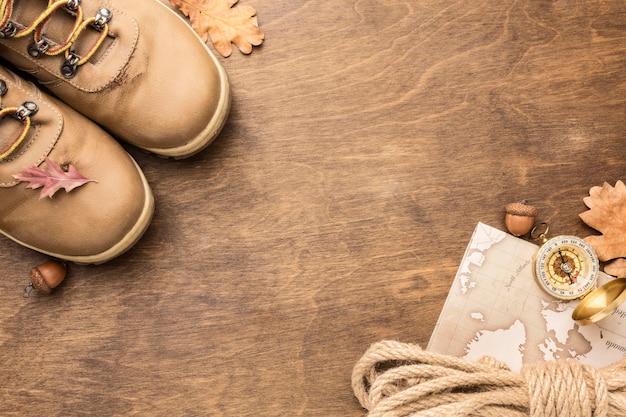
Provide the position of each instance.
(495, 308)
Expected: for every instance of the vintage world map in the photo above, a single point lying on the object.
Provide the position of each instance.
(496, 308)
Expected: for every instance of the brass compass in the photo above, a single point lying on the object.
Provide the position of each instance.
(567, 268)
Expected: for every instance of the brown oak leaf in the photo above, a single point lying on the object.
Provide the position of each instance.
(224, 23)
(617, 268)
(52, 178)
(607, 214)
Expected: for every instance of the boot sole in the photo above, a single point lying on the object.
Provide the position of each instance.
(210, 132)
(127, 242)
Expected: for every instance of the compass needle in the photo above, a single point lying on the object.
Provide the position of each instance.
(566, 267)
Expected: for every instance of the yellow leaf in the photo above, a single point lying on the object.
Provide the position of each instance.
(224, 23)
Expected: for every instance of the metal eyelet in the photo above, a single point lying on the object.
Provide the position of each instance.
(4, 88)
(37, 49)
(8, 31)
(103, 16)
(73, 5)
(28, 108)
(69, 67)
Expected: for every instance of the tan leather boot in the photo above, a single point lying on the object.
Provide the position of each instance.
(89, 224)
(133, 66)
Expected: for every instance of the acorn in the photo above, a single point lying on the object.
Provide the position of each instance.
(47, 276)
(519, 218)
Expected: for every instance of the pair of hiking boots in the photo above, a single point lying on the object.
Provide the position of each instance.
(129, 69)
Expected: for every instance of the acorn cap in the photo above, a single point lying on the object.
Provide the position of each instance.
(521, 209)
(39, 281)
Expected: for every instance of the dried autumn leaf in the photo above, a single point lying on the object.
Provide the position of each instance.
(607, 214)
(617, 268)
(52, 178)
(224, 23)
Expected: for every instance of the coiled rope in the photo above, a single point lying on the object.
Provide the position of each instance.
(395, 379)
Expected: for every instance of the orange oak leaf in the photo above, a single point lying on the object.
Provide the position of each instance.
(52, 178)
(607, 214)
(224, 23)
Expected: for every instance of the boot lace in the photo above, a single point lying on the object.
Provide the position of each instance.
(22, 113)
(41, 46)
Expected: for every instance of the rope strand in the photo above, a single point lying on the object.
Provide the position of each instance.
(395, 379)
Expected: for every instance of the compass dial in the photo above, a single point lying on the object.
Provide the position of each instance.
(566, 267)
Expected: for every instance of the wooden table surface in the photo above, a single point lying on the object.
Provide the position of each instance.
(366, 140)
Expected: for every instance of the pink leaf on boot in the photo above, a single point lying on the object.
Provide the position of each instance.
(52, 178)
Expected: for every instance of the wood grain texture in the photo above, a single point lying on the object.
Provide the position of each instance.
(366, 140)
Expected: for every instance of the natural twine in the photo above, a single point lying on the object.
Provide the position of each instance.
(395, 379)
